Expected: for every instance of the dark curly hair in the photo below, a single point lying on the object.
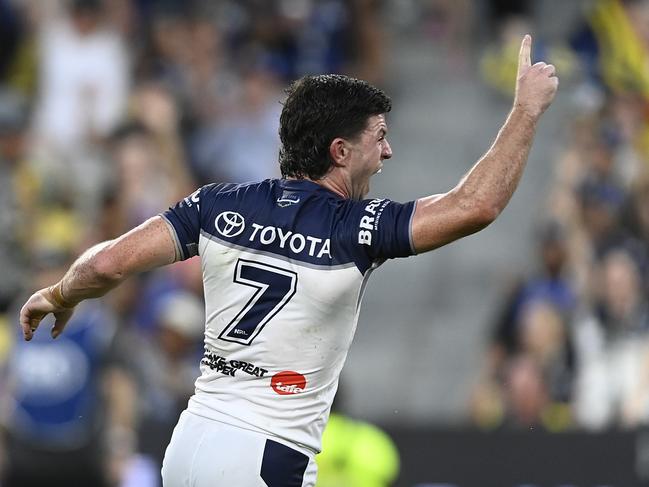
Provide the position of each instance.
(319, 109)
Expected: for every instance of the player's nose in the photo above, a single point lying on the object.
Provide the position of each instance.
(386, 153)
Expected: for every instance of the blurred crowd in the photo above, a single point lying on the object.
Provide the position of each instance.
(570, 345)
(110, 112)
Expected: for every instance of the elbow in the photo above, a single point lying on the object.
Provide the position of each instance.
(485, 214)
(478, 212)
(442, 219)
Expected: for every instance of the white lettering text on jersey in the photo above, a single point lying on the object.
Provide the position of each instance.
(367, 222)
(292, 388)
(193, 198)
(296, 242)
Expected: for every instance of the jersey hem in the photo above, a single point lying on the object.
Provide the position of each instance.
(412, 217)
(197, 409)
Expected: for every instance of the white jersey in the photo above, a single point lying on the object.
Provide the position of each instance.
(285, 264)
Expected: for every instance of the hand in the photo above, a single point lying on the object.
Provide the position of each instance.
(536, 85)
(37, 307)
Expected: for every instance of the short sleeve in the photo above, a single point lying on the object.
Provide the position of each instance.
(184, 218)
(384, 228)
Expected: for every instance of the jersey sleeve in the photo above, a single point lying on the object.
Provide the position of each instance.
(383, 228)
(185, 220)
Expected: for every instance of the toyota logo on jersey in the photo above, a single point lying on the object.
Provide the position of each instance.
(229, 223)
(288, 382)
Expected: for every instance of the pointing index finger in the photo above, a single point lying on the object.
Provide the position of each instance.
(524, 57)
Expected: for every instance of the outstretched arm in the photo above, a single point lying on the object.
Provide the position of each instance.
(487, 188)
(97, 271)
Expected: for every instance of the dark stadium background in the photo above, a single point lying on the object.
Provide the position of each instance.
(518, 356)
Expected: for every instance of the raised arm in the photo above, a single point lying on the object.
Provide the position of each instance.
(97, 271)
(487, 188)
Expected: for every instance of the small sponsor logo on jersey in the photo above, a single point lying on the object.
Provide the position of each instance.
(287, 199)
(288, 382)
(229, 223)
(231, 367)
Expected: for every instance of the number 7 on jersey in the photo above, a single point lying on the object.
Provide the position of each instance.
(274, 287)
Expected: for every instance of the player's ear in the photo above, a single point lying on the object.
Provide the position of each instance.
(339, 151)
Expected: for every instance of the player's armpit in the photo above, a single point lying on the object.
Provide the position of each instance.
(442, 218)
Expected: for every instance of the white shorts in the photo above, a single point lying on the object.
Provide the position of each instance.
(204, 452)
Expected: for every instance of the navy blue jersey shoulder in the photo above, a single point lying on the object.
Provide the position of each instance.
(296, 220)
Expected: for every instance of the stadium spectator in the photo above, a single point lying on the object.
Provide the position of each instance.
(84, 77)
(611, 342)
(532, 332)
(155, 107)
(11, 33)
(15, 199)
(68, 407)
(167, 366)
(498, 63)
(545, 339)
(526, 394)
(549, 283)
(638, 214)
(612, 43)
(145, 150)
(243, 146)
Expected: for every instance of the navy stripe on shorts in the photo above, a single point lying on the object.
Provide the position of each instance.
(283, 466)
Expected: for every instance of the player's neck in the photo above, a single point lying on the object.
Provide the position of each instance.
(334, 184)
